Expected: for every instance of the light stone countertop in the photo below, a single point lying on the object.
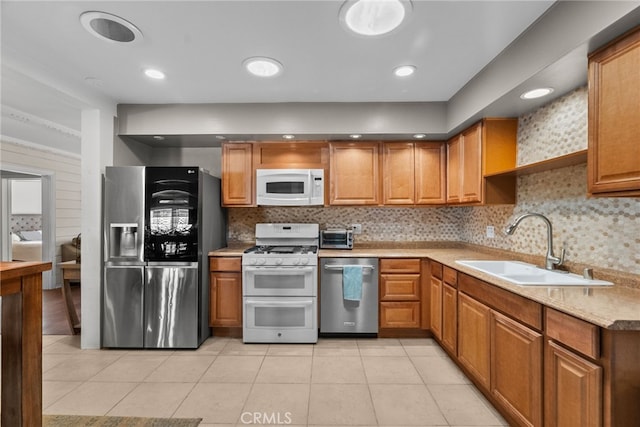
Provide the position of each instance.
(614, 307)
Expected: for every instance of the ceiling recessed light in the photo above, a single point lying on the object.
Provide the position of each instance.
(158, 137)
(288, 136)
(419, 136)
(154, 74)
(355, 136)
(374, 17)
(537, 93)
(262, 66)
(404, 70)
(220, 137)
(112, 28)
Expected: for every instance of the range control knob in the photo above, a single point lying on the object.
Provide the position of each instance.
(253, 261)
(296, 261)
(261, 261)
(278, 261)
(304, 261)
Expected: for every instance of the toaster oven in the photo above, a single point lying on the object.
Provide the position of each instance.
(336, 239)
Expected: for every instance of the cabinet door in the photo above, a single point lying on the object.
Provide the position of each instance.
(430, 167)
(471, 180)
(450, 318)
(454, 163)
(398, 173)
(474, 342)
(400, 315)
(516, 369)
(614, 118)
(436, 307)
(354, 173)
(237, 174)
(225, 307)
(573, 389)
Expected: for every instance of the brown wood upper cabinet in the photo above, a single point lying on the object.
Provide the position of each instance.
(237, 174)
(475, 156)
(355, 173)
(291, 155)
(413, 173)
(613, 157)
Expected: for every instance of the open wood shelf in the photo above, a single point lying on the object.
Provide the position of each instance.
(570, 159)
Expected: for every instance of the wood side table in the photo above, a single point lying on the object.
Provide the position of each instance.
(70, 273)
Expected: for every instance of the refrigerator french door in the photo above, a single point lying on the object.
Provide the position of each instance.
(159, 226)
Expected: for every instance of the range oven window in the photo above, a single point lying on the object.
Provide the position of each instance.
(280, 317)
(279, 281)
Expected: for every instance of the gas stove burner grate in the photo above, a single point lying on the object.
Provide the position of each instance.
(284, 249)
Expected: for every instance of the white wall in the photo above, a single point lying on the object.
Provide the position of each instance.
(65, 169)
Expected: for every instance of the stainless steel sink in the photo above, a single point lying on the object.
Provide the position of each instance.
(521, 273)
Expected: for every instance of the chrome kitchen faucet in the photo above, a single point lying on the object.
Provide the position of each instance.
(551, 260)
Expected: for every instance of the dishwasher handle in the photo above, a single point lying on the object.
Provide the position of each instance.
(340, 266)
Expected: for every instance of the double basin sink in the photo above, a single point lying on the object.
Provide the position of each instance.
(524, 274)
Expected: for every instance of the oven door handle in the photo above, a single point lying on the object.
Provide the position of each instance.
(263, 303)
(279, 269)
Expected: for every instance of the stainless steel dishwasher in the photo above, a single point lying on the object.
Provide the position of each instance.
(344, 316)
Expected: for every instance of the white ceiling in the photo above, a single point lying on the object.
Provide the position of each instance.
(47, 55)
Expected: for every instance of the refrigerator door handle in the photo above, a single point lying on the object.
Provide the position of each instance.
(176, 264)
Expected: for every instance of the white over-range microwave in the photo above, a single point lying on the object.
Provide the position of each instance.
(290, 187)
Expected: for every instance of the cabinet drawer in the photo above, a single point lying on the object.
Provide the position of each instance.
(450, 276)
(575, 333)
(400, 265)
(225, 264)
(436, 269)
(400, 314)
(397, 287)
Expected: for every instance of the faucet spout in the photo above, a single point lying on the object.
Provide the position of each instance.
(551, 260)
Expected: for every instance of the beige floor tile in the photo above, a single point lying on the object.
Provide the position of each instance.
(337, 370)
(214, 403)
(78, 367)
(276, 404)
(332, 351)
(390, 370)
(130, 368)
(290, 350)
(235, 347)
(181, 369)
(47, 340)
(54, 390)
(341, 404)
(460, 405)
(233, 369)
(422, 347)
(337, 343)
(52, 360)
(91, 398)
(381, 347)
(152, 400)
(285, 369)
(405, 405)
(62, 344)
(213, 345)
(439, 370)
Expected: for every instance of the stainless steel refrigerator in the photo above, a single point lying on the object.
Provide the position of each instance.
(159, 225)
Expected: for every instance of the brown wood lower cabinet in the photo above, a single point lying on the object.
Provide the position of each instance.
(400, 296)
(473, 338)
(225, 298)
(573, 386)
(516, 369)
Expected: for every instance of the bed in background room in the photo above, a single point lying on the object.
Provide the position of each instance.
(26, 245)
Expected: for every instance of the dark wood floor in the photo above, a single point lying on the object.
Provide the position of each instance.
(54, 319)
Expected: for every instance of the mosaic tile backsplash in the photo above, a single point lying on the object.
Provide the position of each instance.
(600, 232)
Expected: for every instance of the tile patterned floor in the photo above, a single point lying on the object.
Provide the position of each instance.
(337, 382)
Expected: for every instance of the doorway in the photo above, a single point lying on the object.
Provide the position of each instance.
(27, 227)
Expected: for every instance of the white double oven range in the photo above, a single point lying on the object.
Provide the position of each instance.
(280, 285)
